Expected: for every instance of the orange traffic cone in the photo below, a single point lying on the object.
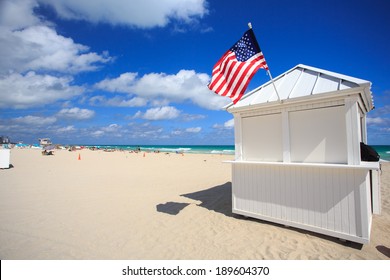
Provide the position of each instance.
(79, 157)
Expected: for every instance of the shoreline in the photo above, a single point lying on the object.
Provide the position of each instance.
(159, 206)
(383, 150)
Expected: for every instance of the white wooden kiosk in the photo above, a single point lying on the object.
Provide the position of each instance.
(5, 155)
(297, 160)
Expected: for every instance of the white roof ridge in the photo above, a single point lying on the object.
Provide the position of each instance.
(334, 74)
(293, 85)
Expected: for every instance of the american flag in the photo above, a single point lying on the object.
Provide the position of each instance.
(234, 70)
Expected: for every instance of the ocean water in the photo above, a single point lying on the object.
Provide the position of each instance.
(190, 149)
(383, 151)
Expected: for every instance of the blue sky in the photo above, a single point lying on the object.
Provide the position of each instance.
(135, 72)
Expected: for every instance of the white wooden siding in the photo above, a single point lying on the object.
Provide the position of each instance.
(332, 201)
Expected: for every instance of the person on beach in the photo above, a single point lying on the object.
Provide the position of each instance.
(46, 153)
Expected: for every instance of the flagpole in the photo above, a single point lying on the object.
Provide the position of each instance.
(272, 79)
(269, 73)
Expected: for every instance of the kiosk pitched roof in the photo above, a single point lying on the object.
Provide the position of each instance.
(305, 82)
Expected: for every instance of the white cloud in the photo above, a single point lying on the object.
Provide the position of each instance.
(229, 124)
(76, 113)
(159, 113)
(27, 42)
(67, 129)
(177, 132)
(41, 48)
(194, 129)
(133, 102)
(186, 133)
(376, 120)
(145, 131)
(18, 14)
(97, 133)
(143, 14)
(24, 91)
(113, 130)
(117, 101)
(121, 84)
(162, 113)
(190, 117)
(180, 87)
(34, 120)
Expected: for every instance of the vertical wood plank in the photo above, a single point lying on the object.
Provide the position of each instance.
(311, 195)
(248, 185)
(323, 198)
(278, 193)
(344, 188)
(289, 194)
(330, 200)
(365, 203)
(351, 204)
(283, 175)
(268, 195)
(317, 198)
(336, 199)
(301, 195)
(306, 174)
(293, 193)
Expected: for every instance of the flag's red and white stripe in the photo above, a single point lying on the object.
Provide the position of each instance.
(231, 77)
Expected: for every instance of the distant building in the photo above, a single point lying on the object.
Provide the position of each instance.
(44, 141)
(4, 140)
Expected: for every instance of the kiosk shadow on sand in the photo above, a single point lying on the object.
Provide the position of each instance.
(219, 199)
(384, 250)
(171, 208)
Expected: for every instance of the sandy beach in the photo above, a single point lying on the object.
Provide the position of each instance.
(121, 205)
